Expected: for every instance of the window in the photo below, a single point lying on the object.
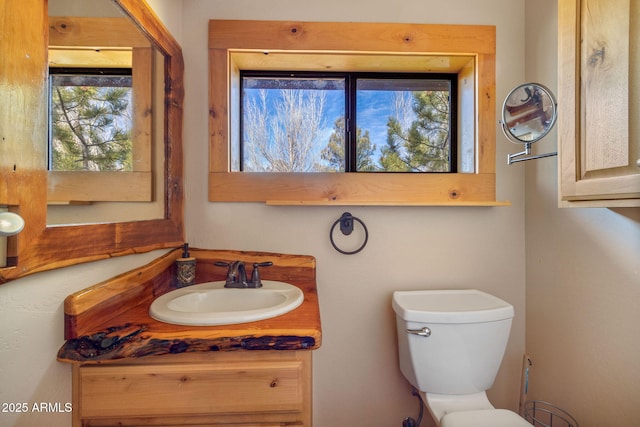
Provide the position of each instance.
(347, 122)
(456, 62)
(90, 119)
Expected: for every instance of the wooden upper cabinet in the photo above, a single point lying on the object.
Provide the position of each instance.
(599, 102)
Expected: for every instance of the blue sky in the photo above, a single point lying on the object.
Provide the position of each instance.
(374, 109)
(372, 116)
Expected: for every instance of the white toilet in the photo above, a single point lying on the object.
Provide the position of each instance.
(451, 344)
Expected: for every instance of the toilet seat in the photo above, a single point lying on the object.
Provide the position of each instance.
(483, 418)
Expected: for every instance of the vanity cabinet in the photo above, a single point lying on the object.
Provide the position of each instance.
(599, 103)
(238, 388)
(130, 369)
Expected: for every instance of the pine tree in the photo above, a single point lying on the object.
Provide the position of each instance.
(333, 153)
(91, 128)
(423, 146)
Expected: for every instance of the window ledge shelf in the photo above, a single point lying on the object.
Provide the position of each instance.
(354, 189)
(487, 203)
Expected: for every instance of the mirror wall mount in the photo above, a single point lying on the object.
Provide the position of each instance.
(528, 114)
(24, 180)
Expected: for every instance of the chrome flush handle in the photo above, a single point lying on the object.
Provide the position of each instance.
(424, 332)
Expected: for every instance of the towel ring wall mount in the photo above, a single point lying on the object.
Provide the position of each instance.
(346, 222)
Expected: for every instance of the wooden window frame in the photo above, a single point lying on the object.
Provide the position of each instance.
(315, 46)
(124, 47)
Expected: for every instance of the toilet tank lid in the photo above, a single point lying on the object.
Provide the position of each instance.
(450, 306)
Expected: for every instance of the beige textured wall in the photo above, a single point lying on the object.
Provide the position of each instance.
(583, 279)
(31, 333)
(582, 269)
(357, 380)
(31, 320)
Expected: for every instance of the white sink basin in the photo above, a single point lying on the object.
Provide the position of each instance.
(209, 304)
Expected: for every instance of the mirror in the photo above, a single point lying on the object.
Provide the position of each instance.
(23, 190)
(528, 115)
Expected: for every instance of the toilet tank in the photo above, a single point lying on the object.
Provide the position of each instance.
(468, 334)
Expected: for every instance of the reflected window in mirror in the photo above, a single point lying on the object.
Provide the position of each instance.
(109, 175)
(100, 115)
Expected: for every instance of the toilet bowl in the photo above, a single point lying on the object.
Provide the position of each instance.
(484, 418)
(450, 347)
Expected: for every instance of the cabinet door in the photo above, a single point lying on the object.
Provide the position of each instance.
(598, 102)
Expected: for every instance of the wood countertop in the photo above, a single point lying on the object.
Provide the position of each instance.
(110, 321)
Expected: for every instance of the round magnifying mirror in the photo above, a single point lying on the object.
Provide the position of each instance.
(528, 113)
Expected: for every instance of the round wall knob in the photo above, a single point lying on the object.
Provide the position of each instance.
(10, 224)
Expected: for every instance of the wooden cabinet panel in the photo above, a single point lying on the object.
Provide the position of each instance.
(598, 92)
(194, 389)
(266, 388)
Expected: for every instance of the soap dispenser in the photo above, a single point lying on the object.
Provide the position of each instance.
(186, 267)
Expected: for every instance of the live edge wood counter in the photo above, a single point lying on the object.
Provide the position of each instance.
(110, 320)
(204, 376)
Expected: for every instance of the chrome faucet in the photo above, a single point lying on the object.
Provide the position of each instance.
(237, 274)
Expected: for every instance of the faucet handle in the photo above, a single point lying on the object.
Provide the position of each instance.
(255, 275)
(263, 264)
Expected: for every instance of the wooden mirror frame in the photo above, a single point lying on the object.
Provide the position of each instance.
(40, 247)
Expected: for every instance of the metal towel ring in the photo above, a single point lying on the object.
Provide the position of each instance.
(346, 226)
